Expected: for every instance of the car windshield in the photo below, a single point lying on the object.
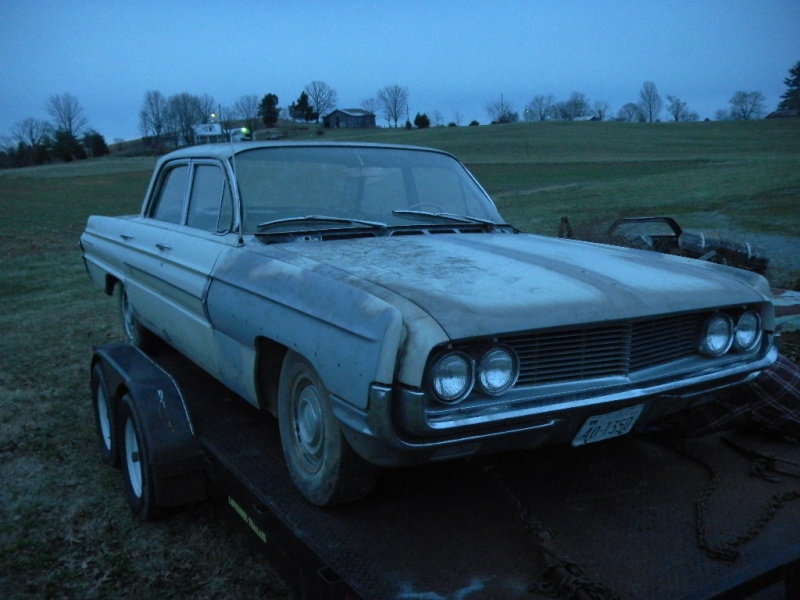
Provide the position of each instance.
(293, 187)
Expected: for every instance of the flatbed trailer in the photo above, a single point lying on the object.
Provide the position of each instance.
(615, 519)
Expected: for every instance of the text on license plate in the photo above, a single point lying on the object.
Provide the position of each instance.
(610, 425)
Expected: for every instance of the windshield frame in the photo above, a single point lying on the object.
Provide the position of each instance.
(356, 184)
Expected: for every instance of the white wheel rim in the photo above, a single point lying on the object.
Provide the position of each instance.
(102, 416)
(134, 465)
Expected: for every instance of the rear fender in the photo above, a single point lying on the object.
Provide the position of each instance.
(157, 402)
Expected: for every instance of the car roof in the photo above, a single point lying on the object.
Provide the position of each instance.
(224, 151)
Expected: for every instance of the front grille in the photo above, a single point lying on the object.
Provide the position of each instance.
(604, 350)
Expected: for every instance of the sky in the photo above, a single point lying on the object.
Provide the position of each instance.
(455, 57)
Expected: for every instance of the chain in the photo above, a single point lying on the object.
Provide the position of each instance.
(561, 578)
(730, 549)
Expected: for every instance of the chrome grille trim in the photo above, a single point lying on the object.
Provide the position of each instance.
(603, 350)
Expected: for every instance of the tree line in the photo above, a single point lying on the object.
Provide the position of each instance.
(172, 121)
(64, 138)
(649, 108)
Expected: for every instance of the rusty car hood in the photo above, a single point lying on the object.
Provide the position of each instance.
(476, 284)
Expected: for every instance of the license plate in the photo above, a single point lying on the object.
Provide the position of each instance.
(610, 425)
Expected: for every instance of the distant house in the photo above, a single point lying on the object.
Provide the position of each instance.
(208, 133)
(349, 117)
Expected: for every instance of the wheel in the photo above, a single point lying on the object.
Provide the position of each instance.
(136, 470)
(103, 418)
(322, 464)
(135, 333)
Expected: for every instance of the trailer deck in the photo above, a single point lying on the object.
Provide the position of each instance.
(621, 514)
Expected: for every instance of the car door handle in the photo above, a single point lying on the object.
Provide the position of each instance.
(126, 237)
(163, 247)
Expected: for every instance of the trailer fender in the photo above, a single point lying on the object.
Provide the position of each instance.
(175, 458)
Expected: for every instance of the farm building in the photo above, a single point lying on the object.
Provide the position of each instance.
(207, 133)
(349, 117)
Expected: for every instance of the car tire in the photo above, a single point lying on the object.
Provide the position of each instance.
(134, 332)
(104, 418)
(322, 464)
(137, 472)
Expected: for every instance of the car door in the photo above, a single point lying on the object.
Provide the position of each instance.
(191, 218)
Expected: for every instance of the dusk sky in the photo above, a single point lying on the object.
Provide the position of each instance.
(453, 56)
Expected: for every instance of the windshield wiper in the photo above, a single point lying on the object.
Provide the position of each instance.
(445, 216)
(324, 218)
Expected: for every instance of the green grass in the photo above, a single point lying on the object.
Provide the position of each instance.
(740, 175)
(66, 531)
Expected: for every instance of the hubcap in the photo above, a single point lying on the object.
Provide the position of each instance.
(309, 428)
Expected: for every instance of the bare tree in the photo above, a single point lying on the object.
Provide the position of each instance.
(458, 118)
(630, 113)
(600, 110)
(67, 114)
(323, 97)
(393, 101)
(541, 107)
(437, 119)
(371, 105)
(747, 105)
(677, 108)
(185, 111)
(30, 132)
(650, 102)
(246, 108)
(577, 106)
(502, 111)
(7, 145)
(208, 107)
(722, 114)
(153, 116)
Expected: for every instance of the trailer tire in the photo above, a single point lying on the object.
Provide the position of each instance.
(137, 471)
(135, 333)
(104, 420)
(323, 465)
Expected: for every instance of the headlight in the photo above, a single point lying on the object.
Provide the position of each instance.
(498, 370)
(748, 331)
(452, 377)
(717, 335)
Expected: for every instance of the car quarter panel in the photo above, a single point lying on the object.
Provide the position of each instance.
(351, 337)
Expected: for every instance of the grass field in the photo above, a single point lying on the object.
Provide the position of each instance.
(66, 531)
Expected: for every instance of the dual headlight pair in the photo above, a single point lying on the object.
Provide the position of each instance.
(721, 333)
(454, 374)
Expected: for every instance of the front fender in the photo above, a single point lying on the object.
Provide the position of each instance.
(351, 337)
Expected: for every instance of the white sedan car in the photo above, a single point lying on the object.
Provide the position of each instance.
(373, 299)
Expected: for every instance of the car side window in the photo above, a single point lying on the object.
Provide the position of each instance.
(210, 203)
(169, 206)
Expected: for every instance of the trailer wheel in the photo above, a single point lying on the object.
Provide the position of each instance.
(135, 333)
(104, 418)
(322, 464)
(136, 469)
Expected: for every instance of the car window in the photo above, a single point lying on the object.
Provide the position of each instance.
(169, 205)
(372, 183)
(436, 187)
(210, 203)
